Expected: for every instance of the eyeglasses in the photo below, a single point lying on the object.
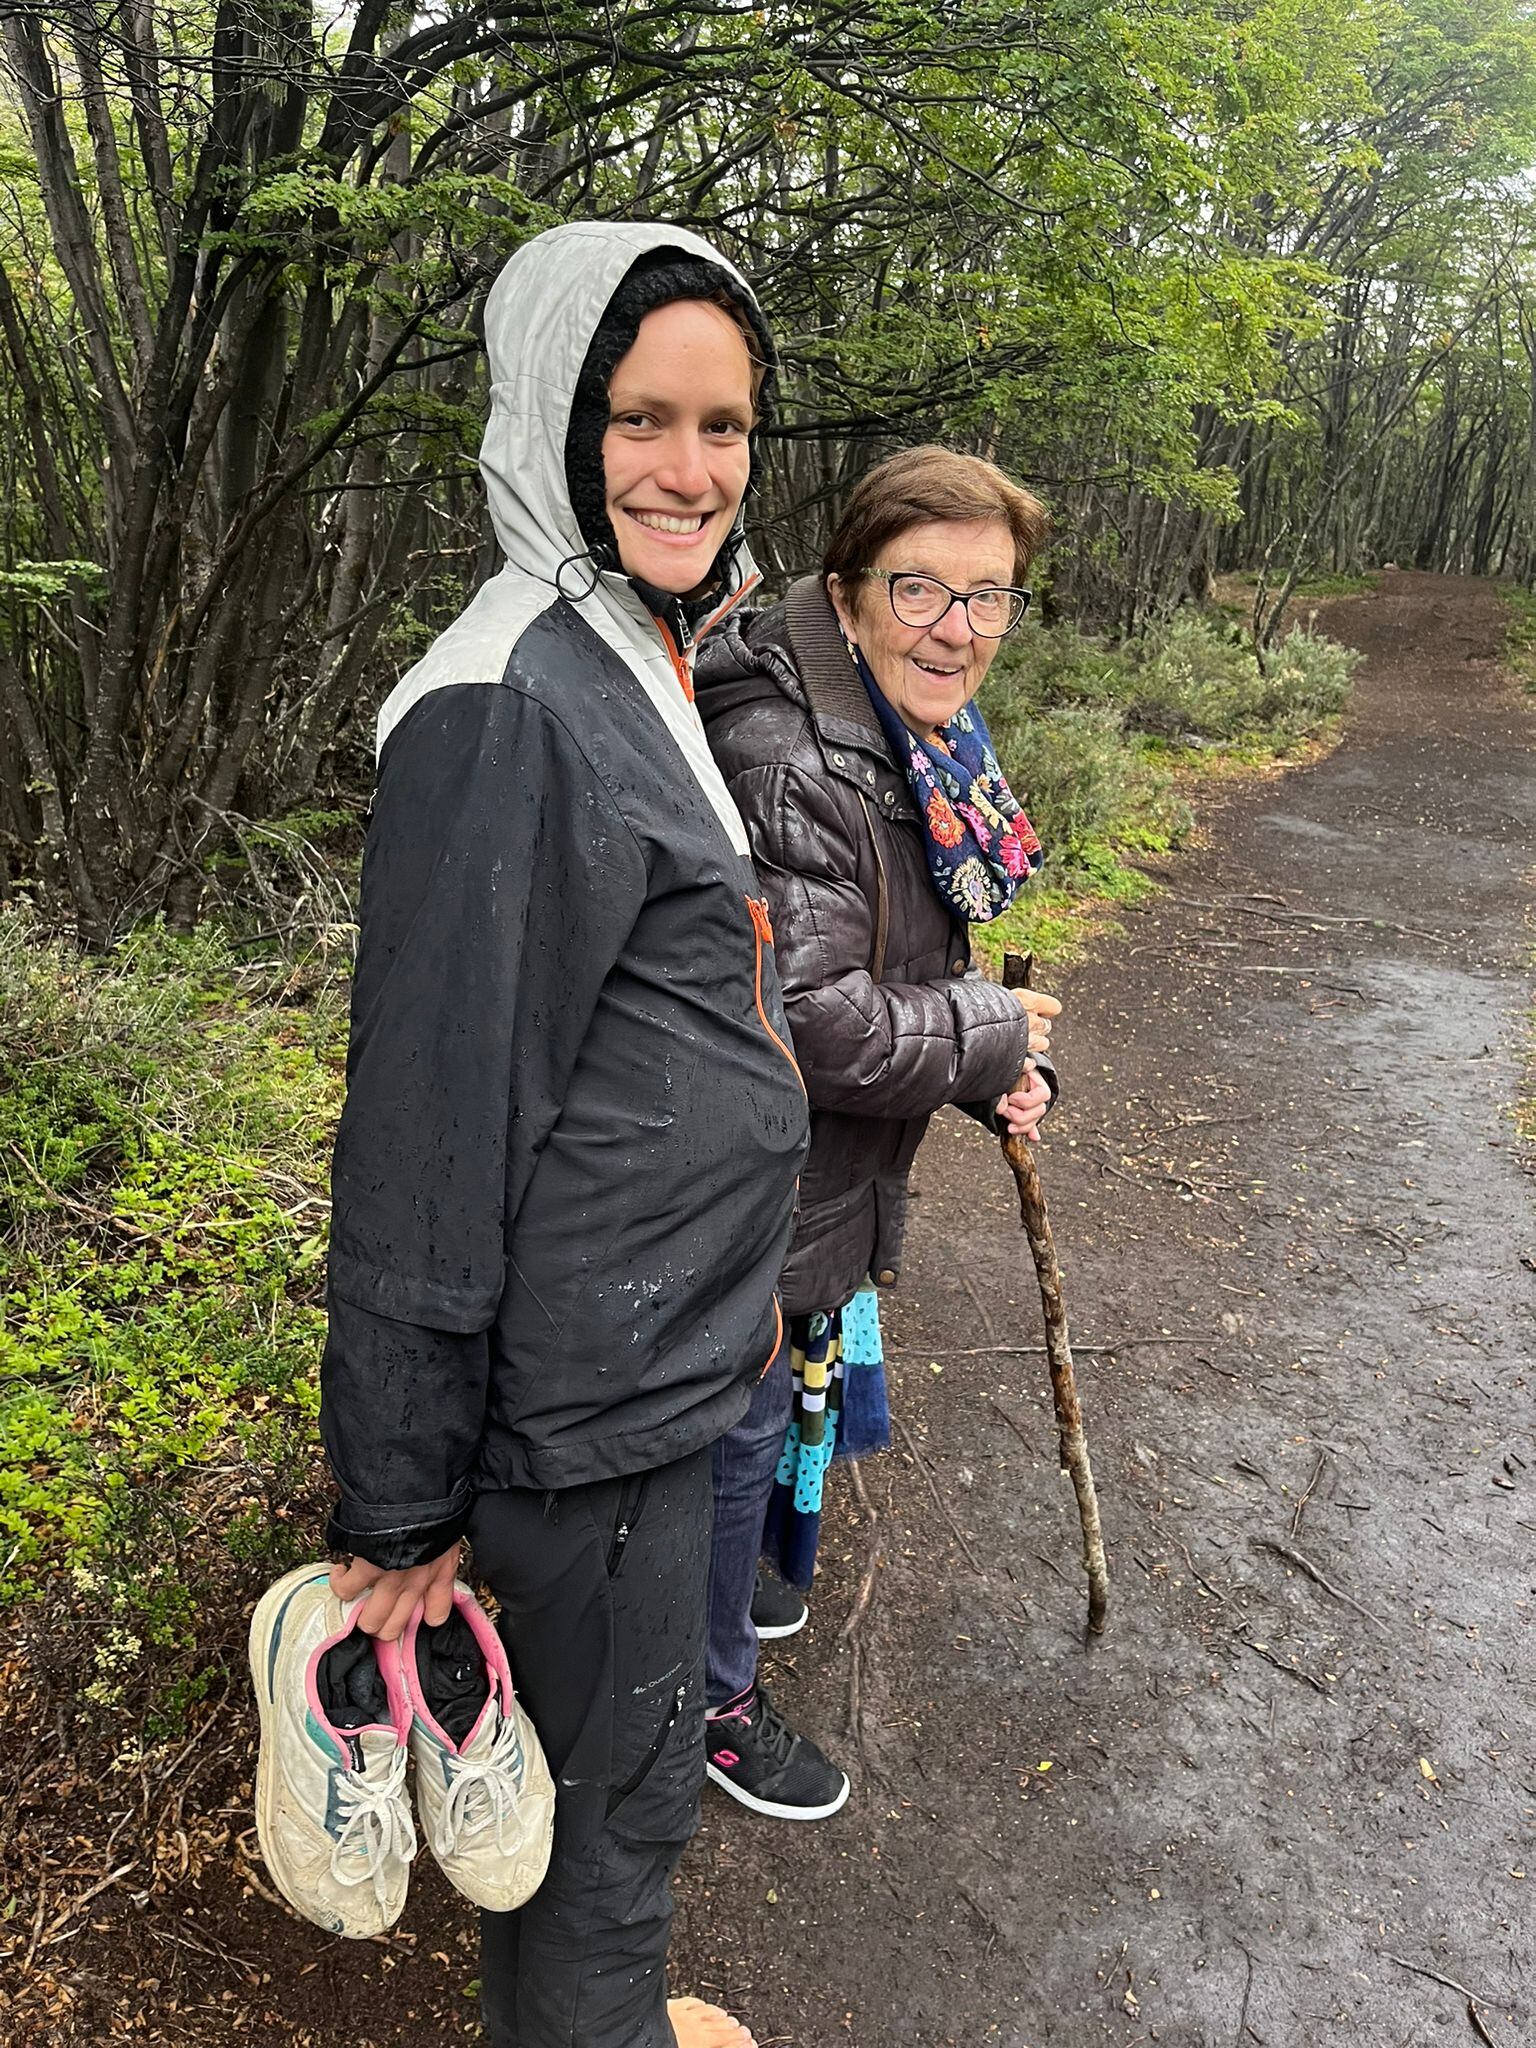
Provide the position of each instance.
(924, 600)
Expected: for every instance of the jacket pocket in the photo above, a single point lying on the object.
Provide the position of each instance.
(626, 1515)
(660, 1801)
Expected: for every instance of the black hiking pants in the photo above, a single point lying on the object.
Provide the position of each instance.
(603, 1591)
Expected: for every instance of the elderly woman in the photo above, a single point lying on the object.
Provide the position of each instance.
(881, 829)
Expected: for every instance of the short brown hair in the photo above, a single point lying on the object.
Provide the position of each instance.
(922, 484)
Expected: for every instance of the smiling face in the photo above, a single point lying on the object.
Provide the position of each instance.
(927, 672)
(675, 453)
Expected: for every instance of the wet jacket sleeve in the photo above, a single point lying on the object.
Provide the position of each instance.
(887, 1049)
(499, 886)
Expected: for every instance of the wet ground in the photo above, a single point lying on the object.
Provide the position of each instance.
(1290, 1797)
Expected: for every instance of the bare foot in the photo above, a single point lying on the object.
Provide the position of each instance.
(698, 2025)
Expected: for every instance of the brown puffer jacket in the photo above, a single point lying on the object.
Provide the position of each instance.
(888, 1017)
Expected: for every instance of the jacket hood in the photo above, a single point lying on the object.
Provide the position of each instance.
(539, 322)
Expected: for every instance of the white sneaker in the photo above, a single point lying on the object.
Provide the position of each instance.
(331, 1811)
(486, 1799)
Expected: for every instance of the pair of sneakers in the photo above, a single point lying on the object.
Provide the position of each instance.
(341, 1716)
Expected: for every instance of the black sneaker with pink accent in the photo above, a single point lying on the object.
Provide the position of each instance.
(756, 1756)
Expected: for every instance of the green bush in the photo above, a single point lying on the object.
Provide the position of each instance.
(1191, 681)
(1084, 786)
(1520, 633)
(164, 1120)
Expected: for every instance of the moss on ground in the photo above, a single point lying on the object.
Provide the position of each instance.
(165, 1116)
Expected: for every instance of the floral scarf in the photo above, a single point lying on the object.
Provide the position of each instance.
(981, 847)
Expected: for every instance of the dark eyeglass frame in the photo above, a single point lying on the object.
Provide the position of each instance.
(891, 577)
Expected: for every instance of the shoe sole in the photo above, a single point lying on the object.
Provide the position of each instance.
(777, 1632)
(767, 1806)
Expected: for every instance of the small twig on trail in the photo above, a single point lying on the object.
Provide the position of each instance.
(1305, 1564)
(1450, 1983)
(1314, 975)
(37, 1928)
(1226, 1371)
(939, 1501)
(216, 1954)
(1052, 1566)
(1214, 1591)
(1478, 2028)
(1015, 1425)
(1044, 1350)
(978, 1304)
(866, 1592)
(62, 1918)
(1301, 1505)
(1184, 1123)
(853, 1626)
(1242, 2018)
(1309, 917)
(1291, 1670)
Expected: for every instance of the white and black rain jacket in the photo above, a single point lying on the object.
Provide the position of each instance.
(564, 1177)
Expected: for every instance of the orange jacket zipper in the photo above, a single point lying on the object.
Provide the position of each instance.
(682, 668)
(778, 1334)
(763, 928)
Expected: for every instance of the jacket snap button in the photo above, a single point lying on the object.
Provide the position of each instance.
(890, 796)
(958, 967)
(837, 760)
(869, 774)
(885, 1277)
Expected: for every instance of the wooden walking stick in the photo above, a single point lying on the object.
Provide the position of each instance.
(1069, 1414)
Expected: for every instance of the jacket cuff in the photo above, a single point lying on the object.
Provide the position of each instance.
(993, 1037)
(398, 1537)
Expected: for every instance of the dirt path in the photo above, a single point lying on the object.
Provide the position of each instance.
(1286, 1191)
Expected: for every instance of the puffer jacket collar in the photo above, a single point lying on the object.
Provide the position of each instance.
(800, 646)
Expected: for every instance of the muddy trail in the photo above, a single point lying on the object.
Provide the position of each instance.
(1290, 1798)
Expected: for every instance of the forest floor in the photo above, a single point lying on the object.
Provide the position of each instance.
(1289, 1797)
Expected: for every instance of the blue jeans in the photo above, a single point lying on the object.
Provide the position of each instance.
(745, 1460)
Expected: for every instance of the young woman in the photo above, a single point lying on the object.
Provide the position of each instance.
(565, 1170)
